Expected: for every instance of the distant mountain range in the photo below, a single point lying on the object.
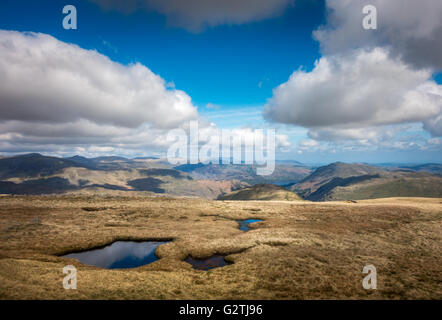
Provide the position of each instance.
(342, 181)
(38, 174)
(33, 165)
(428, 167)
(283, 174)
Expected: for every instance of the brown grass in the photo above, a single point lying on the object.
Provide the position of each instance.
(301, 250)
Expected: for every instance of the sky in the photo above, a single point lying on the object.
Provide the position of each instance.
(134, 70)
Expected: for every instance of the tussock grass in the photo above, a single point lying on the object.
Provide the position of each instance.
(300, 250)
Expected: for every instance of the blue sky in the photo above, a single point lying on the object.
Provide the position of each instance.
(233, 68)
(222, 65)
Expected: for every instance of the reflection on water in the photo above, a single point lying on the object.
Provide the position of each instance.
(119, 255)
(207, 264)
(244, 224)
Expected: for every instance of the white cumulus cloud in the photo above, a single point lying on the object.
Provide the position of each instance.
(58, 97)
(410, 29)
(46, 80)
(354, 90)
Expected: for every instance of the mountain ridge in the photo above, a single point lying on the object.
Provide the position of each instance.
(35, 173)
(343, 181)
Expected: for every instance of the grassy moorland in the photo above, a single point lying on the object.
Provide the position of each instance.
(301, 250)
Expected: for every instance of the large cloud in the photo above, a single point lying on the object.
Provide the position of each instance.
(357, 89)
(46, 80)
(83, 137)
(59, 98)
(195, 14)
(91, 139)
(56, 97)
(369, 83)
(411, 29)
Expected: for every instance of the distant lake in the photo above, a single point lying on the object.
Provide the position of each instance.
(244, 224)
(119, 255)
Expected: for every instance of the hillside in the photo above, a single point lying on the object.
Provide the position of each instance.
(284, 173)
(36, 174)
(39, 174)
(341, 181)
(34, 165)
(261, 192)
(434, 168)
(120, 163)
